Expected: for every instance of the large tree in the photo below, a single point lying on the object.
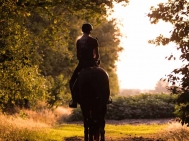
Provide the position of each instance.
(176, 12)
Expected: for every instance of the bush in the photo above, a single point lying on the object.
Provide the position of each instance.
(137, 107)
(141, 106)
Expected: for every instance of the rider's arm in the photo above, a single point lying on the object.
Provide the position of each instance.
(78, 57)
(96, 52)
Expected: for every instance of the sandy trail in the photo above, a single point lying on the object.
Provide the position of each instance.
(133, 121)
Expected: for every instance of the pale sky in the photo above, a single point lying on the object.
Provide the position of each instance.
(141, 64)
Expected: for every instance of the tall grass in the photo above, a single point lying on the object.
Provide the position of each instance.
(175, 132)
(44, 115)
(15, 128)
(31, 125)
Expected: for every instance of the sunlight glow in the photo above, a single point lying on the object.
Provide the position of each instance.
(141, 65)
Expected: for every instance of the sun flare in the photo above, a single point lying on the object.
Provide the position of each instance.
(141, 65)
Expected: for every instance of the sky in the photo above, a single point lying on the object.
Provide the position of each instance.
(141, 65)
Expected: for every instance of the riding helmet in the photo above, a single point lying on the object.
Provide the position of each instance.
(86, 28)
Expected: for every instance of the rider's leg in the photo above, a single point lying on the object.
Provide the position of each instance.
(73, 103)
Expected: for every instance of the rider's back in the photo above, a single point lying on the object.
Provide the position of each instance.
(85, 47)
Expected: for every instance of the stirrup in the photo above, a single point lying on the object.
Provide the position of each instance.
(72, 104)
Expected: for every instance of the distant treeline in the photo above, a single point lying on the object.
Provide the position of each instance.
(160, 87)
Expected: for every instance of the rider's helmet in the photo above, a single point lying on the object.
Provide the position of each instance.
(86, 28)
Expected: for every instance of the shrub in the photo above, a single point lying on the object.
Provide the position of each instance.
(137, 107)
(141, 106)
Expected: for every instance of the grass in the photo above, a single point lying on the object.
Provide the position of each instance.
(32, 127)
(133, 130)
(113, 131)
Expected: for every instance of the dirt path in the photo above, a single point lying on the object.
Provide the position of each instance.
(132, 121)
(140, 121)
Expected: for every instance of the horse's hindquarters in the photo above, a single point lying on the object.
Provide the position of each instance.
(93, 91)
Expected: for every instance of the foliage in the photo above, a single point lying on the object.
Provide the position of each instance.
(37, 48)
(141, 106)
(137, 107)
(176, 12)
(20, 77)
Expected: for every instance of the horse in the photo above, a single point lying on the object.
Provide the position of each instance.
(92, 88)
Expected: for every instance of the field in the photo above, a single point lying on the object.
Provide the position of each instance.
(43, 128)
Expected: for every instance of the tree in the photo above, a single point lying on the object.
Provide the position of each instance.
(161, 87)
(20, 77)
(176, 12)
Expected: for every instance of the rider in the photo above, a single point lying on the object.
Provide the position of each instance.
(88, 56)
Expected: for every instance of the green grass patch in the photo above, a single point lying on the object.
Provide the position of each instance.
(64, 131)
(115, 131)
(72, 130)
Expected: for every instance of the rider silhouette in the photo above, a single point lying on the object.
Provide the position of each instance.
(88, 56)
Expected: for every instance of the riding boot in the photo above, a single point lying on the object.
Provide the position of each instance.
(109, 100)
(73, 104)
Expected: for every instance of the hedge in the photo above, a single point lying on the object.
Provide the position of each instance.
(142, 106)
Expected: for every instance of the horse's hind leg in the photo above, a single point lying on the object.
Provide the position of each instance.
(86, 129)
(102, 131)
(96, 130)
(103, 122)
(102, 134)
(90, 134)
(96, 135)
(91, 130)
(86, 132)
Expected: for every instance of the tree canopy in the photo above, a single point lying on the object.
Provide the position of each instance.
(176, 12)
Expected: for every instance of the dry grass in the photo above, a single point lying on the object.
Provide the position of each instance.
(29, 124)
(50, 117)
(175, 132)
(15, 128)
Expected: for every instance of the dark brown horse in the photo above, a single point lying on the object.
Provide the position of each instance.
(93, 94)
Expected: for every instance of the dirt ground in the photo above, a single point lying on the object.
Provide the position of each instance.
(128, 121)
(140, 121)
